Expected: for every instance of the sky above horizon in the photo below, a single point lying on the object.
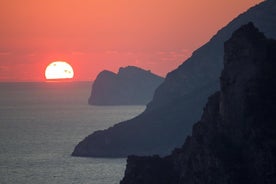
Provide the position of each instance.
(96, 35)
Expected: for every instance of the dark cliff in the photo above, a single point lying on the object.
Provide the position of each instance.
(179, 100)
(235, 140)
(131, 86)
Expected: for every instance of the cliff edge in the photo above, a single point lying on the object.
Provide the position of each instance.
(178, 102)
(131, 86)
(235, 140)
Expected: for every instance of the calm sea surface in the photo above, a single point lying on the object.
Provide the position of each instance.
(40, 123)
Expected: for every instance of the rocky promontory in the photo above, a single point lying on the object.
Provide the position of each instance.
(178, 101)
(235, 140)
(131, 86)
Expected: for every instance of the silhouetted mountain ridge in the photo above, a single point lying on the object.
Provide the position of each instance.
(204, 66)
(235, 140)
(178, 102)
(131, 86)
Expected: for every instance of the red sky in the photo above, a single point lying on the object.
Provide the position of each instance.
(93, 35)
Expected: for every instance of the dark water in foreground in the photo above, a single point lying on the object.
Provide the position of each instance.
(40, 123)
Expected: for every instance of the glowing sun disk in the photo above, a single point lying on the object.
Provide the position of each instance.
(59, 70)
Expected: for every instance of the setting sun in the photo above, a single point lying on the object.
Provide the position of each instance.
(59, 70)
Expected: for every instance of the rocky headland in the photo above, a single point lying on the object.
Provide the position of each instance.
(235, 140)
(131, 86)
(178, 101)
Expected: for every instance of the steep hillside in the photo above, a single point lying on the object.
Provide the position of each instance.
(235, 140)
(178, 101)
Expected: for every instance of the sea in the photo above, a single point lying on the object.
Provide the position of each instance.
(41, 123)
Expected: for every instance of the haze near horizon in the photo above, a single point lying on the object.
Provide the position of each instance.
(97, 35)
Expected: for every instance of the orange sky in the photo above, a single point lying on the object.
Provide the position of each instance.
(93, 35)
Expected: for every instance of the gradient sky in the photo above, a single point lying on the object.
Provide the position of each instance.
(93, 35)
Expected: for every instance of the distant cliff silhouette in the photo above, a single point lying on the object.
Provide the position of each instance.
(235, 140)
(131, 86)
(178, 101)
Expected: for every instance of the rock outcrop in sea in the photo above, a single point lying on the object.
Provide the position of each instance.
(178, 101)
(131, 86)
(235, 140)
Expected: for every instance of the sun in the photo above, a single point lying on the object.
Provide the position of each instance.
(59, 70)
